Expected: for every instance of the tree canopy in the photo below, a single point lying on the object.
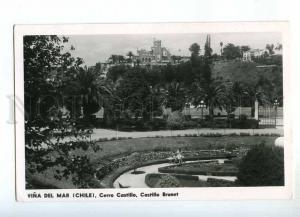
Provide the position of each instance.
(49, 73)
(230, 51)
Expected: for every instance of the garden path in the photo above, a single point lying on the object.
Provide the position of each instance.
(106, 133)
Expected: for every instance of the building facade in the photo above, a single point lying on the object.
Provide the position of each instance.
(255, 53)
(157, 54)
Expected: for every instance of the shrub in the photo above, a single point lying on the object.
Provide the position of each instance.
(219, 183)
(243, 117)
(189, 124)
(262, 166)
(212, 135)
(232, 134)
(155, 124)
(244, 134)
(175, 120)
(244, 123)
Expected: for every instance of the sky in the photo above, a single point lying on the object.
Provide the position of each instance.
(98, 48)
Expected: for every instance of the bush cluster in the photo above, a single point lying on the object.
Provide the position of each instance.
(262, 166)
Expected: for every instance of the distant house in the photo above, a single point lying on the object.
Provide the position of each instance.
(254, 53)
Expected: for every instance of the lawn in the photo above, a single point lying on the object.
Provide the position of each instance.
(118, 148)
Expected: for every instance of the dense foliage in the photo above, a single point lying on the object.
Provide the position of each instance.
(51, 76)
(262, 166)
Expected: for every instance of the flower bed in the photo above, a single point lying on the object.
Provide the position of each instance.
(155, 180)
(202, 168)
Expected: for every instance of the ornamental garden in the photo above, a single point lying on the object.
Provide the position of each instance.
(206, 120)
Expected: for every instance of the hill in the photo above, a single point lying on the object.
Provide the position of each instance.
(266, 76)
(245, 72)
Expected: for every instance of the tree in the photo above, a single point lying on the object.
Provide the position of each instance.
(115, 59)
(245, 48)
(116, 72)
(253, 92)
(278, 47)
(231, 51)
(97, 69)
(195, 50)
(47, 71)
(270, 48)
(133, 92)
(175, 98)
(262, 166)
(213, 95)
(92, 89)
(207, 50)
(229, 101)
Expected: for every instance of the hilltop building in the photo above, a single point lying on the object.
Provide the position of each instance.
(258, 53)
(157, 54)
(254, 53)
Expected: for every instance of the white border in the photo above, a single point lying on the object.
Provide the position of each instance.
(217, 193)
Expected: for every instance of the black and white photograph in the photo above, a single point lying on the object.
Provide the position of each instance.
(153, 110)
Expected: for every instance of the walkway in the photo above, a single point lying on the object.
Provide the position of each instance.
(105, 133)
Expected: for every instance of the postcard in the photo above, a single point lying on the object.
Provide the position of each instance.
(154, 111)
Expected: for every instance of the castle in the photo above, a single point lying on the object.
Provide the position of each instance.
(157, 54)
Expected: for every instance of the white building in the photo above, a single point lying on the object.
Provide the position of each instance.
(254, 53)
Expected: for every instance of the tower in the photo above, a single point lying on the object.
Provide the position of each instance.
(156, 49)
(157, 43)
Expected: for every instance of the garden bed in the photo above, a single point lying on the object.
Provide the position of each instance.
(152, 180)
(202, 168)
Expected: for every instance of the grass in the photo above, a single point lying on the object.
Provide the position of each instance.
(111, 149)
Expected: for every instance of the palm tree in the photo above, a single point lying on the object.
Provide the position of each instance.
(213, 95)
(229, 101)
(254, 93)
(93, 90)
(175, 96)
